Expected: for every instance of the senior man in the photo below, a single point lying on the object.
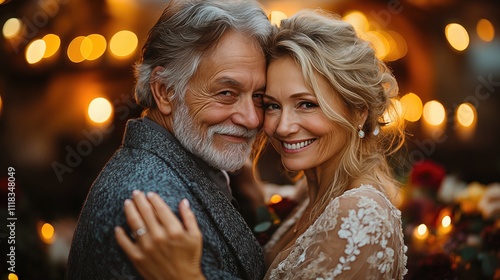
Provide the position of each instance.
(201, 79)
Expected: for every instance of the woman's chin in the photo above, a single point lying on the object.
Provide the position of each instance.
(293, 167)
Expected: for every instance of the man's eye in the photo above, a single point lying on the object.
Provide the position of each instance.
(258, 96)
(225, 93)
(258, 99)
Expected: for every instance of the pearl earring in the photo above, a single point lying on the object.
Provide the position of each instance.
(361, 133)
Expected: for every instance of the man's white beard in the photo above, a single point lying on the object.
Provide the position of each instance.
(230, 157)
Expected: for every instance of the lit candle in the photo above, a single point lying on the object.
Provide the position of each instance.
(420, 235)
(444, 225)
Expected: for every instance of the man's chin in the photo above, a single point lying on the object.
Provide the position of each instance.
(229, 161)
(233, 140)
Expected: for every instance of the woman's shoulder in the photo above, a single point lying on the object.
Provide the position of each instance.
(365, 196)
(361, 210)
(364, 190)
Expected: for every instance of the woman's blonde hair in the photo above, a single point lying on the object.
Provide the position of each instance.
(323, 43)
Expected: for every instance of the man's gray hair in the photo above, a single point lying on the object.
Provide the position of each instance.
(185, 31)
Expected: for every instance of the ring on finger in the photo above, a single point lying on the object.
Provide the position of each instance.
(139, 232)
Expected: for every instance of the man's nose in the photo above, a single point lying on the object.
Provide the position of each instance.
(247, 114)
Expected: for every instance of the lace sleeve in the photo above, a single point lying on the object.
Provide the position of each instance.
(358, 236)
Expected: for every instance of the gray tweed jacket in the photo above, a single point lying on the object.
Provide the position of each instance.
(149, 161)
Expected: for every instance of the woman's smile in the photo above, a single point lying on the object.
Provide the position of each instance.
(297, 146)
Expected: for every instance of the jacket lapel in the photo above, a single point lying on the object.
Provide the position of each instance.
(233, 228)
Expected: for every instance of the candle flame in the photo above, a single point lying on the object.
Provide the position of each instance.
(446, 221)
(422, 229)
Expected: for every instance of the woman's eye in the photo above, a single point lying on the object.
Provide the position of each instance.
(270, 106)
(307, 105)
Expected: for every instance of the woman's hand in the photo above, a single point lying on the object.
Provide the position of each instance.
(164, 248)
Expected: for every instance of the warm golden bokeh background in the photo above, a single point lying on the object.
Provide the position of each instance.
(66, 87)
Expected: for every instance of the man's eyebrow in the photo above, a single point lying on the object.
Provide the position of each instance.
(263, 88)
(234, 83)
(229, 81)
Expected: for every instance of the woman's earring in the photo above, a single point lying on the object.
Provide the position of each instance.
(376, 131)
(361, 133)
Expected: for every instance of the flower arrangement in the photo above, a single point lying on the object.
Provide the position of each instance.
(452, 228)
(270, 217)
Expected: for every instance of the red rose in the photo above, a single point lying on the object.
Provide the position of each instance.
(284, 207)
(427, 174)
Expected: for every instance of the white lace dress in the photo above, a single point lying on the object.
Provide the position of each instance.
(358, 236)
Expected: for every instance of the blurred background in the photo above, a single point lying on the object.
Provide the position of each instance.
(66, 92)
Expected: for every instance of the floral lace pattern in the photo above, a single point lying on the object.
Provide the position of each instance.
(358, 236)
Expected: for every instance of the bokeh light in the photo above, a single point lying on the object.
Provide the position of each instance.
(12, 28)
(379, 43)
(276, 198)
(276, 16)
(52, 42)
(485, 30)
(358, 20)
(422, 229)
(47, 233)
(466, 114)
(99, 45)
(412, 107)
(35, 51)
(86, 47)
(465, 120)
(388, 45)
(123, 43)
(457, 36)
(399, 49)
(100, 110)
(394, 113)
(74, 50)
(434, 112)
(446, 221)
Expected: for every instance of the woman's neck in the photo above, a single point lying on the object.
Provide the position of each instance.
(319, 180)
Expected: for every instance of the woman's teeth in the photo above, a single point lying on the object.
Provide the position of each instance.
(296, 146)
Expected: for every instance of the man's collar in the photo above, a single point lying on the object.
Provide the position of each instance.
(214, 174)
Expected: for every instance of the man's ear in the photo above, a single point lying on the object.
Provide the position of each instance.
(160, 92)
